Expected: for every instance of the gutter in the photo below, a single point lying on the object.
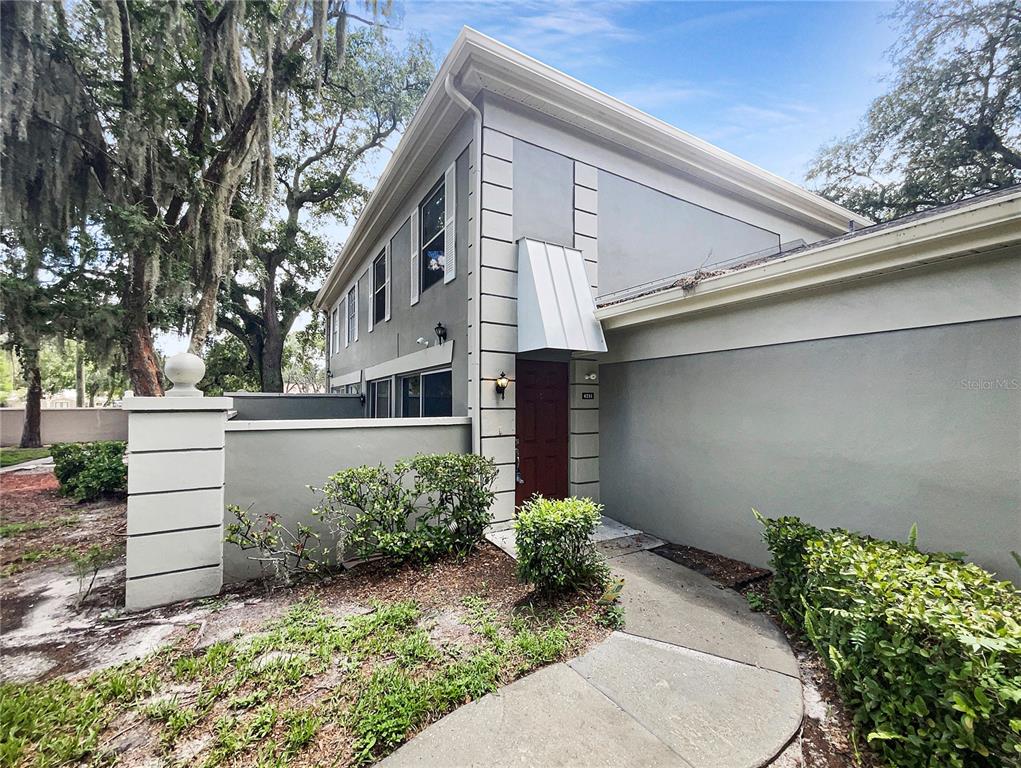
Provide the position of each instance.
(957, 233)
(475, 245)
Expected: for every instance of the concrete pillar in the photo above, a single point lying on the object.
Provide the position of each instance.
(175, 490)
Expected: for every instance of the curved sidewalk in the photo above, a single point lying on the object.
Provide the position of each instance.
(696, 680)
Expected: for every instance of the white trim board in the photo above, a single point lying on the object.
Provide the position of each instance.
(354, 377)
(276, 425)
(967, 289)
(430, 357)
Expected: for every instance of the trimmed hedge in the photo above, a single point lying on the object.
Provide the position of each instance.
(925, 649)
(554, 542)
(87, 471)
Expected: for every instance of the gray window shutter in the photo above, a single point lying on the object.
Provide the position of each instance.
(416, 258)
(449, 223)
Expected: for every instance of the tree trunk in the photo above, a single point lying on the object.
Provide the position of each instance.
(271, 364)
(205, 316)
(31, 434)
(79, 375)
(271, 372)
(143, 365)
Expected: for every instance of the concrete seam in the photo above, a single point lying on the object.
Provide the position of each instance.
(638, 722)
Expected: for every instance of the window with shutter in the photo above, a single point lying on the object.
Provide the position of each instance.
(449, 223)
(432, 223)
(414, 257)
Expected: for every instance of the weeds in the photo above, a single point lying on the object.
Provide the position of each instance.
(258, 697)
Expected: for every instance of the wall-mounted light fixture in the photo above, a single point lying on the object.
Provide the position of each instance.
(590, 377)
(502, 382)
(361, 398)
(441, 332)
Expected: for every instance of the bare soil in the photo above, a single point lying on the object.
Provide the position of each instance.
(825, 739)
(57, 526)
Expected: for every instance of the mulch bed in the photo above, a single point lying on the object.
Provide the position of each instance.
(825, 738)
(730, 573)
(32, 497)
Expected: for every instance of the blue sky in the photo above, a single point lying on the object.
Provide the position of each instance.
(767, 81)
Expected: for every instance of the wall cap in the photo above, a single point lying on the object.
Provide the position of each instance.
(270, 425)
(169, 404)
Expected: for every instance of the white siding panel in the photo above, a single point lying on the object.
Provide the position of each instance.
(497, 144)
(497, 171)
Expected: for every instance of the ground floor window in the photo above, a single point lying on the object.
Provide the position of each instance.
(426, 394)
(379, 399)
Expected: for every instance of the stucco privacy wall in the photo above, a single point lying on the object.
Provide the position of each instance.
(442, 302)
(269, 464)
(902, 420)
(66, 425)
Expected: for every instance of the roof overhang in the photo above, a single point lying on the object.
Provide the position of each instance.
(477, 63)
(984, 226)
(555, 305)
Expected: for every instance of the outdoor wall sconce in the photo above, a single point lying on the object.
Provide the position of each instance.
(361, 398)
(590, 377)
(502, 383)
(441, 332)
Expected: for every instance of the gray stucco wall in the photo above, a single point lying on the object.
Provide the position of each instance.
(270, 469)
(871, 432)
(446, 303)
(646, 235)
(66, 425)
(543, 195)
(271, 405)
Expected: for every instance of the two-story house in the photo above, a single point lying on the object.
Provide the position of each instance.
(629, 313)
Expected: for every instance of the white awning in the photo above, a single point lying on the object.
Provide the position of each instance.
(555, 305)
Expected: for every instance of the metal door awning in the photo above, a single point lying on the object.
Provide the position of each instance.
(555, 305)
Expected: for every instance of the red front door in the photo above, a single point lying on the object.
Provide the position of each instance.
(542, 429)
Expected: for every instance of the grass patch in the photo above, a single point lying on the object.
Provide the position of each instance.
(11, 456)
(366, 682)
(15, 529)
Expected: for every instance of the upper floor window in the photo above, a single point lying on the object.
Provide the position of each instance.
(335, 326)
(352, 314)
(380, 279)
(431, 218)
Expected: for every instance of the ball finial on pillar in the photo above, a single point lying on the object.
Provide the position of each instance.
(185, 370)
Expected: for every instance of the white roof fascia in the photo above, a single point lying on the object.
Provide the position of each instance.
(481, 63)
(988, 224)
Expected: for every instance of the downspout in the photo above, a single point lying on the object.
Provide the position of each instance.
(474, 358)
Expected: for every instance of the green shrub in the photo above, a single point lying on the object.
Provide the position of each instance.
(924, 648)
(420, 509)
(86, 471)
(554, 543)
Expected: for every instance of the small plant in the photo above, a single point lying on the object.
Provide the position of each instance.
(284, 556)
(756, 602)
(554, 542)
(87, 566)
(612, 616)
(87, 471)
(418, 510)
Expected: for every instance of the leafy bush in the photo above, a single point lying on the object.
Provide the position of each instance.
(926, 649)
(554, 543)
(419, 509)
(86, 471)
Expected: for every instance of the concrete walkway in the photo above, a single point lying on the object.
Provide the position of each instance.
(695, 680)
